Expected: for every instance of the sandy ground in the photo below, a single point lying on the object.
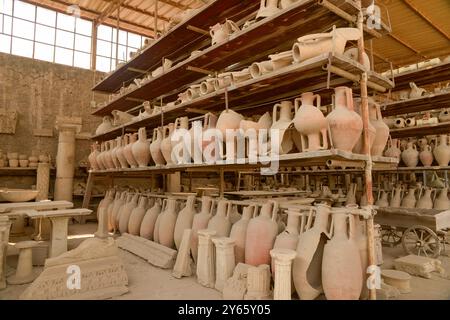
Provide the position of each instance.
(150, 283)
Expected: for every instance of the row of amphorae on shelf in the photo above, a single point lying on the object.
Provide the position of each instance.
(301, 127)
(330, 242)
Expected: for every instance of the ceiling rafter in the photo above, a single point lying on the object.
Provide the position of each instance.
(403, 43)
(427, 19)
(111, 7)
(141, 11)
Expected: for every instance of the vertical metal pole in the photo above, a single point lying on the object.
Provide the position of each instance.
(368, 169)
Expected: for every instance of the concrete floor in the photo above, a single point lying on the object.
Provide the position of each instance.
(150, 283)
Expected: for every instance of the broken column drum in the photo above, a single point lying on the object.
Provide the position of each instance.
(283, 276)
(206, 259)
(225, 261)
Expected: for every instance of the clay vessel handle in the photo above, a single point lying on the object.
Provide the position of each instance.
(229, 207)
(274, 210)
(351, 224)
(349, 96)
(297, 104)
(314, 37)
(211, 208)
(177, 123)
(310, 218)
(275, 109)
(318, 100)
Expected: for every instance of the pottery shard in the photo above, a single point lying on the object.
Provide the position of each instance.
(419, 266)
(155, 254)
(102, 274)
(235, 287)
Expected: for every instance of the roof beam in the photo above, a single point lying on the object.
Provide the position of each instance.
(61, 6)
(175, 4)
(110, 8)
(141, 11)
(428, 20)
(403, 43)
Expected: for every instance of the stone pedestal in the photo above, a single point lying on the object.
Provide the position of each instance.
(58, 241)
(43, 181)
(68, 127)
(283, 276)
(5, 225)
(258, 283)
(24, 272)
(206, 258)
(225, 260)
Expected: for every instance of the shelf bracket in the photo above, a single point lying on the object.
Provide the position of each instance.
(137, 70)
(198, 30)
(199, 70)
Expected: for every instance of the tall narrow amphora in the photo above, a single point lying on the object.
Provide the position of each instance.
(167, 222)
(184, 220)
(282, 120)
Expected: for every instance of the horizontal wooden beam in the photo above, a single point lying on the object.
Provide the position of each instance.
(150, 14)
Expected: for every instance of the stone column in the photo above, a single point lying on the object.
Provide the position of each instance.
(65, 158)
(58, 241)
(5, 225)
(43, 181)
(258, 283)
(283, 275)
(225, 260)
(206, 258)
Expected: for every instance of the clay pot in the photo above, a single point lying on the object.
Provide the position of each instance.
(442, 202)
(220, 222)
(113, 221)
(167, 221)
(100, 157)
(207, 86)
(223, 80)
(444, 115)
(359, 147)
(200, 222)
(426, 156)
(381, 128)
(121, 117)
(180, 142)
(184, 220)
(345, 124)
(221, 32)
(114, 157)
(268, 8)
(312, 45)
(257, 69)
(121, 143)
(351, 195)
(141, 149)
(393, 150)
(193, 92)
(282, 120)
(410, 122)
(415, 92)
(281, 60)
(382, 201)
(136, 217)
(241, 76)
(128, 151)
(396, 198)
(166, 143)
(149, 221)
(409, 201)
(157, 222)
(307, 265)
(353, 53)
(399, 123)
(125, 212)
(105, 202)
(410, 155)
(155, 147)
(311, 123)
(93, 157)
(107, 157)
(442, 151)
(239, 232)
(109, 211)
(228, 120)
(261, 233)
(341, 265)
(288, 239)
(105, 126)
(425, 201)
(361, 242)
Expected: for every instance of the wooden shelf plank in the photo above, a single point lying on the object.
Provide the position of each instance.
(169, 46)
(274, 34)
(434, 129)
(287, 83)
(434, 74)
(429, 102)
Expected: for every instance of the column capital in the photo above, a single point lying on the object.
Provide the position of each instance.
(223, 241)
(206, 233)
(68, 123)
(283, 255)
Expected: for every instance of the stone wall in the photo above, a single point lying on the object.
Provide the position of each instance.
(39, 91)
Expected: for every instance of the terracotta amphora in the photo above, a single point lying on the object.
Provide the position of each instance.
(307, 265)
(268, 8)
(128, 153)
(410, 155)
(221, 32)
(393, 149)
(209, 122)
(282, 120)
(93, 157)
(239, 232)
(444, 115)
(100, 162)
(141, 149)
(184, 220)
(155, 147)
(114, 157)
(110, 208)
(380, 126)
(382, 201)
(105, 202)
(351, 195)
(257, 69)
(310, 122)
(426, 155)
(396, 197)
(229, 120)
(426, 200)
(345, 124)
(200, 222)
(261, 233)
(341, 265)
(105, 126)
(359, 147)
(312, 45)
(119, 152)
(361, 242)
(148, 223)
(114, 218)
(136, 217)
(288, 239)
(157, 222)
(409, 201)
(180, 144)
(107, 158)
(220, 222)
(442, 202)
(125, 212)
(442, 151)
(415, 92)
(167, 222)
(166, 143)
